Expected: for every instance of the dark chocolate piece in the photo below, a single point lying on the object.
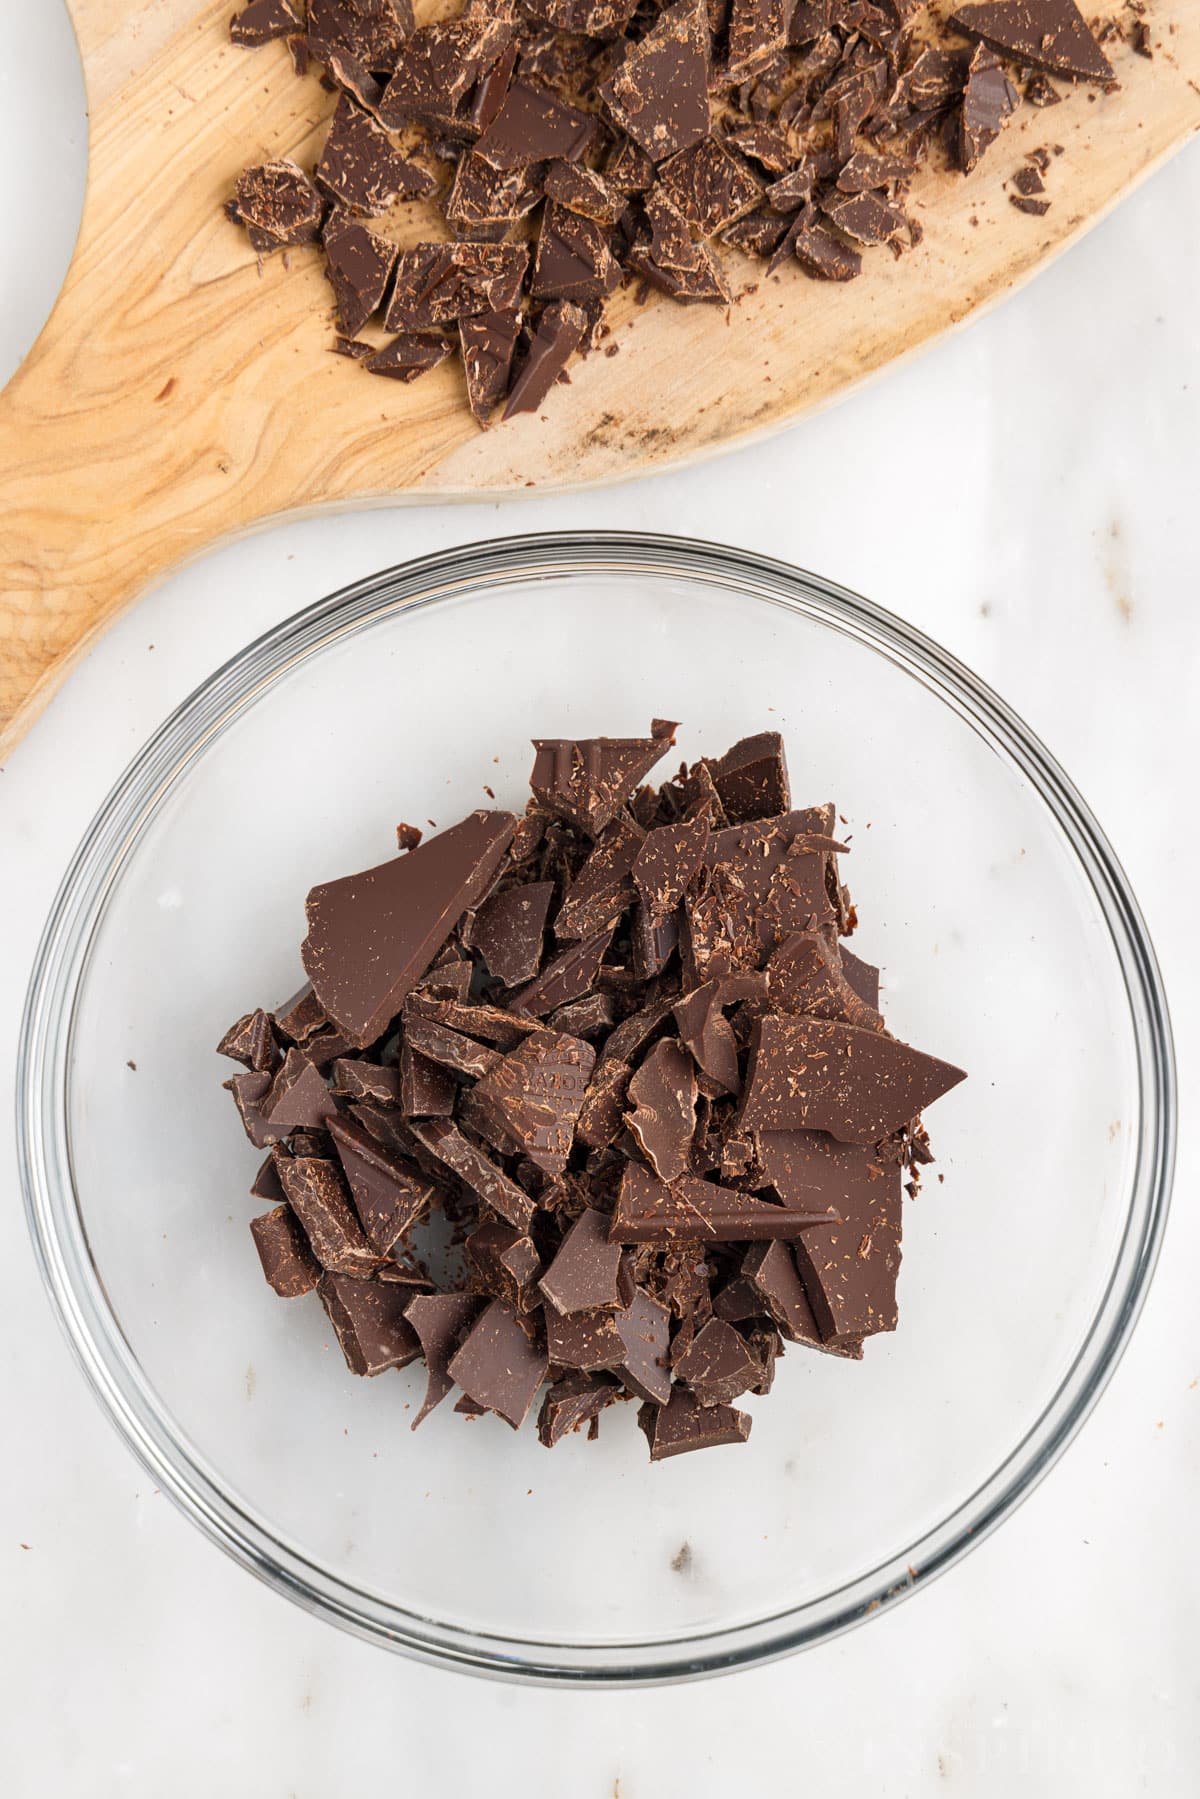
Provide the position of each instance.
(866, 218)
(758, 31)
(369, 1322)
(717, 1365)
(711, 188)
(806, 974)
(355, 1079)
(490, 1023)
(587, 780)
(663, 1095)
(573, 260)
(252, 1041)
(1047, 34)
(371, 936)
(603, 890)
(508, 931)
(426, 1091)
(488, 1182)
(287, 1261)
(587, 1017)
(668, 861)
(317, 1196)
(567, 976)
(298, 1098)
(438, 284)
(262, 20)
(693, 1210)
(532, 1097)
(277, 204)
(505, 1264)
(869, 170)
(358, 264)
(450, 1049)
(770, 1275)
(497, 1366)
(707, 1032)
(820, 252)
(584, 192)
(673, 261)
(862, 977)
(1039, 208)
(752, 778)
(439, 1320)
(988, 99)
(574, 1400)
(658, 94)
(763, 882)
(582, 1277)
(390, 1194)
(482, 197)
(645, 1331)
(487, 343)
(860, 1086)
(371, 30)
(557, 335)
(532, 125)
(685, 1424)
(436, 67)
(587, 1341)
(602, 1113)
(849, 1269)
(360, 167)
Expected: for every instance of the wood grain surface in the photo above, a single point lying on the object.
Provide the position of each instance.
(180, 394)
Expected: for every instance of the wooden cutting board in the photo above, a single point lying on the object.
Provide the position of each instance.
(179, 394)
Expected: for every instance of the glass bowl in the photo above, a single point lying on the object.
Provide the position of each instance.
(1010, 944)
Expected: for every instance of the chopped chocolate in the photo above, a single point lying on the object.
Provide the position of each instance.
(509, 928)
(685, 1424)
(588, 780)
(436, 67)
(487, 343)
(316, 1194)
(758, 31)
(355, 1079)
(566, 977)
(668, 860)
(252, 1041)
(603, 890)
(587, 1017)
(693, 1210)
(752, 779)
(812, 1074)
(574, 1400)
(369, 1322)
(438, 284)
(756, 235)
(871, 170)
(371, 30)
(298, 1098)
(584, 192)
(287, 1261)
(988, 99)
(497, 1366)
(770, 1276)
(483, 198)
(658, 93)
(584, 1340)
(710, 187)
(763, 881)
(277, 204)
(1047, 34)
(645, 1331)
(557, 335)
(583, 1274)
(533, 126)
(485, 1179)
(262, 20)
(529, 1100)
(663, 1095)
(390, 1194)
(602, 1113)
(426, 1091)
(573, 259)
(474, 1019)
(372, 936)
(505, 1264)
(864, 217)
(450, 1049)
(1039, 208)
(439, 1320)
(849, 1268)
(820, 252)
(717, 1365)
(807, 974)
(707, 1032)
(361, 169)
(358, 265)
(672, 260)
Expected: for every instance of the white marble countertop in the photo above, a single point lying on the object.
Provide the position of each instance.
(1043, 527)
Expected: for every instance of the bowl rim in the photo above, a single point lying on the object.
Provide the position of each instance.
(75, 1286)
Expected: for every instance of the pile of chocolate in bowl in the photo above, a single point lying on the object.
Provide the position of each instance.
(616, 1052)
(522, 159)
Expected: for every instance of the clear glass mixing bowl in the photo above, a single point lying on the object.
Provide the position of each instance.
(1010, 944)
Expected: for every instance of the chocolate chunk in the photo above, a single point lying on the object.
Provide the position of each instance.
(252, 1041)
(573, 260)
(849, 1269)
(706, 1031)
(277, 204)
(762, 883)
(659, 92)
(474, 1019)
(770, 1274)
(629, 169)
(752, 779)
(645, 1331)
(685, 1424)
(301, 1017)
(587, 1017)
(371, 936)
(557, 335)
(360, 168)
(717, 1365)
(344, 71)
(587, 780)
(371, 30)
(450, 1049)
(1048, 34)
(587, 1341)
(487, 343)
(482, 197)
(584, 192)
(869, 170)
(710, 188)
(261, 21)
(477, 1171)
(508, 931)
(298, 1098)
(390, 1194)
(1039, 208)
(806, 975)
(532, 1096)
(438, 284)
(1027, 181)
(667, 862)
(369, 1322)
(591, 18)
(440, 1320)
(583, 1274)
(533, 126)
(864, 217)
(574, 1400)
(354, 1079)
(757, 235)
(505, 1264)
(566, 977)
(603, 890)
(988, 99)
(811, 1074)
(287, 1261)
(819, 252)
(672, 260)
(317, 1196)
(758, 31)
(497, 1366)
(663, 1094)
(436, 67)
(693, 1210)
(249, 1091)
(426, 1091)
(265, 1184)
(358, 265)
(765, 143)
(602, 1113)
(862, 977)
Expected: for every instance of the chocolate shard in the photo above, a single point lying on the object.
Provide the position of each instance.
(587, 780)
(532, 125)
(629, 169)
(645, 1331)
(450, 1049)
(866, 218)
(370, 30)
(497, 1366)
(358, 265)
(261, 21)
(586, 1341)
(758, 234)
(706, 1031)
(587, 1017)
(691, 1210)
(436, 67)
(557, 335)
(266, 1184)
(316, 1194)
(344, 70)
(369, 1322)
(717, 1365)
(672, 260)
(371, 936)
(277, 204)
(819, 251)
(806, 974)
(582, 191)
(752, 778)
(711, 188)
(354, 1078)
(988, 99)
(684, 1424)
(566, 977)
(508, 930)
(860, 1086)
(390, 1193)
(763, 881)
(438, 284)
(602, 1113)
(484, 199)
(473, 1019)
(590, 18)
(582, 1277)
(487, 343)
(249, 1090)
(574, 1400)
(439, 1320)
(504, 1264)
(603, 890)
(758, 31)
(298, 1098)
(658, 94)
(360, 167)
(862, 977)
(573, 259)
(477, 1171)
(287, 1261)
(412, 354)
(770, 1275)
(663, 1121)
(532, 1097)
(426, 1091)
(251, 1041)
(1046, 34)
(667, 862)
(766, 143)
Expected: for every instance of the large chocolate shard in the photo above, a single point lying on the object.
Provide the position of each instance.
(691, 1210)
(849, 1269)
(556, 337)
(581, 190)
(533, 126)
(668, 861)
(530, 1100)
(497, 1365)
(587, 1341)
(360, 167)
(316, 1194)
(371, 936)
(440, 1320)
(587, 780)
(711, 188)
(477, 1171)
(437, 66)
(369, 1322)
(860, 1086)
(806, 974)
(685, 1424)
(988, 99)
(663, 1121)
(358, 265)
(438, 284)
(716, 1364)
(287, 1261)
(758, 31)
(450, 1049)
(763, 882)
(1047, 34)
(659, 92)
(573, 260)
(566, 977)
(583, 1274)
(509, 928)
(603, 890)
(390, 1194)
